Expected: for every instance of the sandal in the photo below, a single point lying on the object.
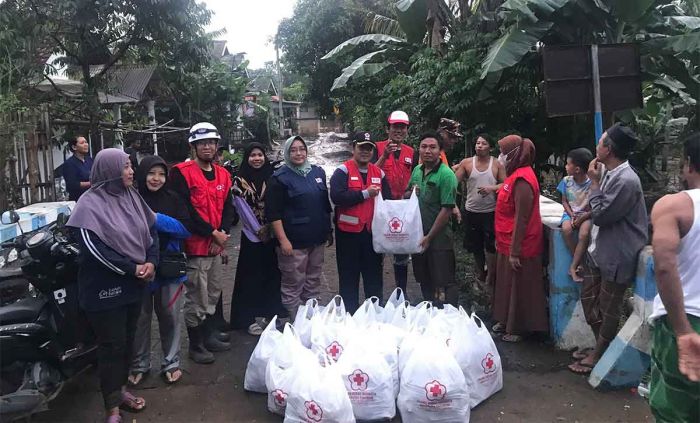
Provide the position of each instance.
(132, 403)
(114, 418)
(136, 378)
(581, 353)
(508, 337)
(580, 368)
(171, 376)
(498, 328)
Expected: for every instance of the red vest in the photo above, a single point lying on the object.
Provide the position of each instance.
(505, 216)
(356, 218)
(208, 199)
(397, 171)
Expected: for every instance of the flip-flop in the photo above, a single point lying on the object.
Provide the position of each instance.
(509, 337)
(169, 378)
(498, 328)
(583, 369)
(114, 418)
(581, 353)
(132, 403)
(136, 378)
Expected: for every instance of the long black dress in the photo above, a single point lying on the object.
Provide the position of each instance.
(256, 292)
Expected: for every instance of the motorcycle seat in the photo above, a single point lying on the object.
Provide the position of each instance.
(25, 310)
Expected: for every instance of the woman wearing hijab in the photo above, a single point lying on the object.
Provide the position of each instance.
(298, 208)
(519, 299)
(256, 291)
(164, 293)
(118, 257)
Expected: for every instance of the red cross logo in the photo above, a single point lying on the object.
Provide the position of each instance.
(358, 380)
(488, 364)
(435, 391)
(395, 225)
(313, 411)
(280, 397)
(334, 350)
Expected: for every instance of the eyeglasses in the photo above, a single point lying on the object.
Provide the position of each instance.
(202, 131)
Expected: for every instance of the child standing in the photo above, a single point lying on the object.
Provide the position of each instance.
(574, 189)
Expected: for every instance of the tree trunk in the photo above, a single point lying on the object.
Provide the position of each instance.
(33, 174)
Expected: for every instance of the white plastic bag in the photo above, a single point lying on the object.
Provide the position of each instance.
(368, 380)
(332, 329)
(318, 396)
(396, 226)
(370, 312)
(285, 365)
(302, 320)
(257, 364)
(433, 388)
(392, 303)
(477, 356)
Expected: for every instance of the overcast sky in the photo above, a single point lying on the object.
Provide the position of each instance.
(249, 25)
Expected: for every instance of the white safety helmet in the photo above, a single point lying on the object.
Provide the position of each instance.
(203, 131)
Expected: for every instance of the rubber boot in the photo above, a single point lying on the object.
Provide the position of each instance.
(220, 324)
(211, 339)
(401, 276)
(198, 353)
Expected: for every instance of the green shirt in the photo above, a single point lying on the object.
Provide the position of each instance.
(438, 189)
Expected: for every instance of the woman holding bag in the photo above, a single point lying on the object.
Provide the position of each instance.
(298, 208)
(256, 292)
(164, 294)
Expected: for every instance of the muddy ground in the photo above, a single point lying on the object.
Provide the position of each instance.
(537, 385)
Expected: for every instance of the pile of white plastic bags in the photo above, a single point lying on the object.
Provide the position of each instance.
(434, 365)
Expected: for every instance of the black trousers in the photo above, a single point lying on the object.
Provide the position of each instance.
(115, 330)
(355, 256)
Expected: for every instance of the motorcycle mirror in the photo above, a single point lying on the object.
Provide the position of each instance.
(61, 220)
(9, 217)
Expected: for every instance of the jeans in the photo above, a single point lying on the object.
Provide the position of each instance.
(115, 329)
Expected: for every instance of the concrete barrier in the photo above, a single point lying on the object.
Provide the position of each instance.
(629, 355)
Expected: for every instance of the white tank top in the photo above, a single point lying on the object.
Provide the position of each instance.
(688, 258)
(476, 203)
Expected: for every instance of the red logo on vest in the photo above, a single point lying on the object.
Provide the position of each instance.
(488, 364)
(313, 411)
(280, 397)
(435, 391)
(334, 350)
(395, 225)
(358, 380)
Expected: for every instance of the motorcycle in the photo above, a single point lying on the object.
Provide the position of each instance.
(44, 338)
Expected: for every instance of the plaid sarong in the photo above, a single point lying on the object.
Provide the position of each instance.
(673, 398)
(601, 302)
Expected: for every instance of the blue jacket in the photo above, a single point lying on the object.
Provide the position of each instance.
(171, 234)
(107, 279)
(302, 204)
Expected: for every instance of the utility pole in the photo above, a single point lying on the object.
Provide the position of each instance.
(279, 89)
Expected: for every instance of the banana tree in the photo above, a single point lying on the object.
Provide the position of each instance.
(416, 22)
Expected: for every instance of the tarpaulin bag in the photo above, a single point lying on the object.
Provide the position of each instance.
(396, 226)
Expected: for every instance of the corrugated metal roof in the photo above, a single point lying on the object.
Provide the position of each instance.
(126, 82)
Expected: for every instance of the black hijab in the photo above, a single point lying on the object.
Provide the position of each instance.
(255, 177)
(164, 200)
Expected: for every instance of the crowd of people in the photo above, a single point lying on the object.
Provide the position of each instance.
(161, 247)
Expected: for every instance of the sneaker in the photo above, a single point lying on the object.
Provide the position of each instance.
(255, 329)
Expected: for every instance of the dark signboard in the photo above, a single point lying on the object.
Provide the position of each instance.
(568, 78)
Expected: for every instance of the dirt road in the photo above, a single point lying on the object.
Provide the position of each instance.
(537, 386)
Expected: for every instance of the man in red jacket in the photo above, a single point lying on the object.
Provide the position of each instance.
(206, 188)
(397, 160)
